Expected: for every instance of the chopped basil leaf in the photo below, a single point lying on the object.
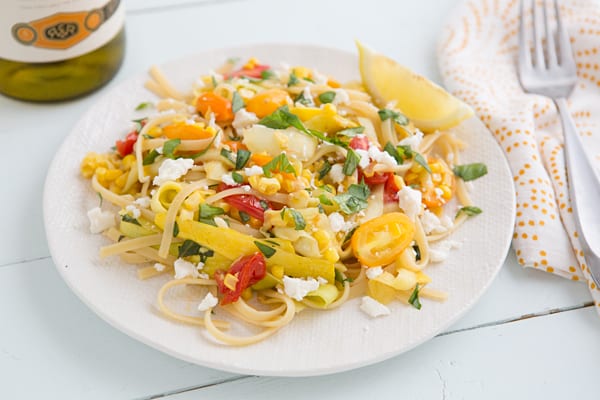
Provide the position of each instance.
(214, 81)
(245, 217)
(150, 157)
(130, 219)
(414, 298)
(236, 102)
(227, 155)
(299, 222)
(419, 159)
(321, 209)
(242, 158)
(121, 237)
(204, 150)
(139, 123)
(469, 210)
(325, 200)
(352, 160)
(282, 118)
(327, 97)
(267, 74)
(272, 242)
(279, 163)
(208, 211)
(324, 170)
(393, 151)
(188, 248)
(205, 254)
(351, 132)
(339, 277)
(304, 100)
(349, 235)
(282, 213)
(143, 105)
(101, 198)
(417, 250)
(293, 79)
(207, 221)
(175, 229)
(235, 138)
(266, 250)
(264, 205)
(469, 172)
(354, 200)
(169, 147)
(385, 114)
(307, 79)
(237, 178)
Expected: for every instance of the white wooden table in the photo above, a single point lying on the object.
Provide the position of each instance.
(532, 335)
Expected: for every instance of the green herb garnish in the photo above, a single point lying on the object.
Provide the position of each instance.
(292, 80)
(130, 219)
(469, 172)
(266, 250)
(244, 217)
(323, 199)
(327, 97)
(236, 102)
(279, 163)
(188, 248)
(324, 170)
(385, 114)
(352, 160)
(354, 200)
(237, 177)
(169, 147)
(299, 222)
(242, 158)
(150, 157)
(469, 210)
(414, 298)
(351, 132)
(143, 105)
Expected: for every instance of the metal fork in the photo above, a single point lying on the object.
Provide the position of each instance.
(552, 72)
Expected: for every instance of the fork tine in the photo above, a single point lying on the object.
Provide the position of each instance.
(550, 46)
(524, 53)
(565, 54)
(538, 46)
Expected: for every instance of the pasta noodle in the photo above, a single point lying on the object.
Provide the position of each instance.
(275, 191)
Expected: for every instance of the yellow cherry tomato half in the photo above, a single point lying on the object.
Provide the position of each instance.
(381, 240)
(267, 102)
(188, 132)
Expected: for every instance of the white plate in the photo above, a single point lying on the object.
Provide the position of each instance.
(314, 343)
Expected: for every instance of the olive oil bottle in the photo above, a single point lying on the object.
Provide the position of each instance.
(52, 50)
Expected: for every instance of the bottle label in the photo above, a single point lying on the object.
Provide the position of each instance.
(55, 30)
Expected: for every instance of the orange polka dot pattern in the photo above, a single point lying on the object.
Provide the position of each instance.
(477, 56)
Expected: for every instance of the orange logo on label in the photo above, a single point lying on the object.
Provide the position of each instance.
(62, 30)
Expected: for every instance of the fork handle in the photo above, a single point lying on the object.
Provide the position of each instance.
(584, 191)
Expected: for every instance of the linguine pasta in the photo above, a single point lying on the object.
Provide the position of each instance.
(274, 190)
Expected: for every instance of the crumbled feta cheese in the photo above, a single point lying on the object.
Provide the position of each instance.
(307, 94)
(253, 170)
(440, 250)
(184, 269)
(374, 272)
(298, 288)
(336, 173)
(382, 157)
(432, 224)
(159, 150)
(133, 211)
(364, 158)
(220, 222)
(203, 276)
(171, 170)
(159, 267)
(218, 136)
(209, 301)
(341, 97)
(228, 180)
(170, 111)
(413, 141)
(246, 188)
(243, 119)
(319, 78)
(338, 223)
(373, 308)
(100, 220)
(143, 202)
(284, 66)
(321, 280)
(409, 200)
(438, 192)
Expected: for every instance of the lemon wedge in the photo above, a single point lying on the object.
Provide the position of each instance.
(426, 104)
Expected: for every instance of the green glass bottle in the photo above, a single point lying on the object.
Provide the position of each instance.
(59, 52)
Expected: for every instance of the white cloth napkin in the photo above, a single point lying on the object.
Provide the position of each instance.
(477, 57)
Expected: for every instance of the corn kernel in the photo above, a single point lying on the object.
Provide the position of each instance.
(266, 185)
(323, 239)
(251, 63)
(186, 215)
(446, 192)
(254, 181)
(230, 281)
(128, 161)
(331, 255)
(299, 199)
(247, 294)
(435, 167)
(120, 181)
(112, 174)
(302, 72)
(277, 271)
